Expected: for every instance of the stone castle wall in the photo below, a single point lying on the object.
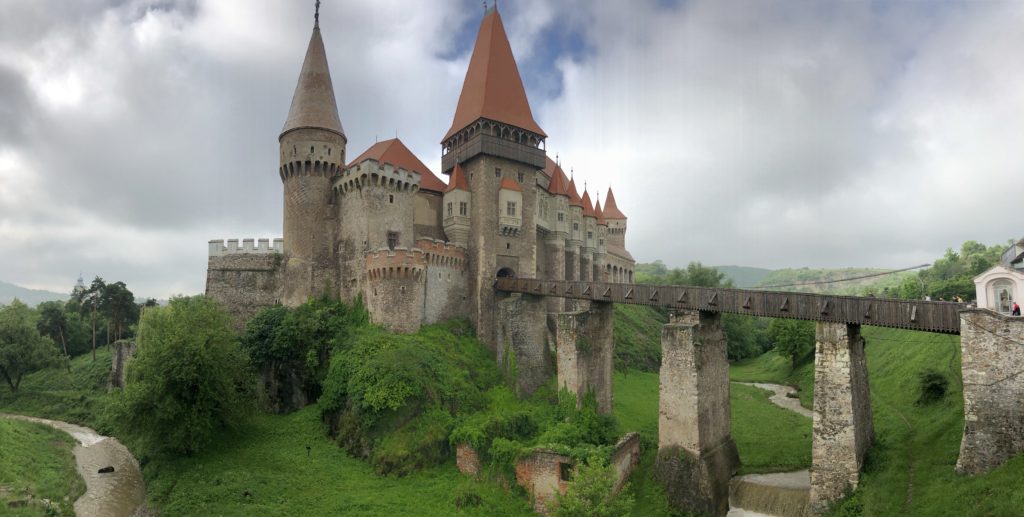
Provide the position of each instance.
(244, 283)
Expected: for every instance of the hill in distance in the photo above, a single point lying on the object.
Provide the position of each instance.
(744, 276)
(30, 297)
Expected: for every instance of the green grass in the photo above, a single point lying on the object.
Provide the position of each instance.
(270, 462)
(78, 397)
(773, 368)
(36, 460)
(637, 332)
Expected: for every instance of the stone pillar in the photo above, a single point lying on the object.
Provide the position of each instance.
(586, 271)
(583, 344)
(992, 363)
(556, 268)
(696, 453)
(521, 336)
(843, 430)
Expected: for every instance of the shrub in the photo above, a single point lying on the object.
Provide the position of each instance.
(932, 387)
(591, 493)
(467, 498)
(189, 380)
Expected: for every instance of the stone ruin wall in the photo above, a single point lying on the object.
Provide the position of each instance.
(246, 279)
(524, 341)
(394, 288)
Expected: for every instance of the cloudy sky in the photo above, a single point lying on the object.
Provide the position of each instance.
(773, 133)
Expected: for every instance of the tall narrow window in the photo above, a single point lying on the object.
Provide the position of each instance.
(561, 216)
(391, 198)
(497, 172)
(392, 240)
(510, 209)
(576, 227)
(449, 209)
(590, 235)
(521, 177)
(463, 208)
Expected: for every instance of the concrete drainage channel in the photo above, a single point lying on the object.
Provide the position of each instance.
(119, 492)
(779, 494)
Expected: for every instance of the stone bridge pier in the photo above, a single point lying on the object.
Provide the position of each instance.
(696, 453)
(583, 345)
(843, 429)
(992, 363)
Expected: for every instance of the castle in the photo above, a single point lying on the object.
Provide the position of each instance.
(417, 249)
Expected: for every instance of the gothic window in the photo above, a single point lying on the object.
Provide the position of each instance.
(576, 227)
(510, 209)
(561, 217)
(600, 242)
(463, 208)
(392, 240)
(497, 172)
(521, 177)
(449, 209)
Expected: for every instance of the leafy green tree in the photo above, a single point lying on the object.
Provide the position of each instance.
(189, 380)
(88, 301)
(117, 304)
(793, 339)
(53, 323)
(22, 349)
(591, 492)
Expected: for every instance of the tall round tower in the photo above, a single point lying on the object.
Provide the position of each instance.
(312, 154)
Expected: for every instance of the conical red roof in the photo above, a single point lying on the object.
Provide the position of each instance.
(588, 206)
(559, 184)
(611, 211)
(313, 103)
(574, 196)
(457, 180)
(509, 184)
(397, 154)
(493, 88)
(600, 213)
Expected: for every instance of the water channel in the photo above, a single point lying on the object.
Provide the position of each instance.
(778, 494)
(116, 494)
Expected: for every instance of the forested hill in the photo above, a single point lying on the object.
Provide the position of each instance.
(31, 297)
(833, 281)
(744, 276)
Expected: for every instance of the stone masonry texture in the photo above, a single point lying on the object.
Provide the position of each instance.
(697, 455)
(583, 342)
(992, 363)
(843, 428)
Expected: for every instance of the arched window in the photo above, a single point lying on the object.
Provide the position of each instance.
(1002, 296)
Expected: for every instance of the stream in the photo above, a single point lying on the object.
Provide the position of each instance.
(785, 491)
(117, 494)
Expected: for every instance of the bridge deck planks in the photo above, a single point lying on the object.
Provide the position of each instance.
(930, 316)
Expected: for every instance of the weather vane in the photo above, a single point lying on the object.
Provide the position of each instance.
(316, 16)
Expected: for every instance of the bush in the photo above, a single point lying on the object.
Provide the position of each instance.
(591, 494)
(188, 381)
(932, 387)
(467, 498)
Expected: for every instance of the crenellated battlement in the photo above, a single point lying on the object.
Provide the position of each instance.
(445, 254)
(397, 263)
(308, 168)
(371, 173)
(219, 248)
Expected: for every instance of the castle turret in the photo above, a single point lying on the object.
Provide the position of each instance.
(312, 145)
(495, 140)
(589, 237)
(616, 221)
(456, 207)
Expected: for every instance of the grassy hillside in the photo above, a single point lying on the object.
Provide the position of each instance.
(909, 469)
(637, 334)
(873, 285)
(78, 397)
(36, 461)
(744, 276)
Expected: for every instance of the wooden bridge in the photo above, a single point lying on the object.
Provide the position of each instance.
(929, 316)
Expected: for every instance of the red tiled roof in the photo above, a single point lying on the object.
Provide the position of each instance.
(509, 184)
(588, 207)
(600, 213)
(397, 154)
(559, 183)
(574, 196)
(457, 180)
(611, 211)
(619, 252)
(549, 166)
(493, 88)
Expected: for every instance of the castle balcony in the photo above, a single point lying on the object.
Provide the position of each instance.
(456, 220)
(482, 143)
(509, 225)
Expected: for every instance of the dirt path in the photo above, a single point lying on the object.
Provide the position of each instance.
(780, 397)
(117, 494)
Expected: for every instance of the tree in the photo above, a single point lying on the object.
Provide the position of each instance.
(22, 349)
(793, 339)
(88, 301)
(189, 381)
(591, 492)
(117, 304)
(53, 323)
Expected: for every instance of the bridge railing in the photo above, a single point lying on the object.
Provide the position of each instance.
(922, 315)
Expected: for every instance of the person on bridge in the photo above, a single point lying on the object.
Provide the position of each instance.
(1016, 309)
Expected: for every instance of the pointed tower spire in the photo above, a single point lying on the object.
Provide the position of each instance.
(493, 88)
(313, 104)
(611, 210)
